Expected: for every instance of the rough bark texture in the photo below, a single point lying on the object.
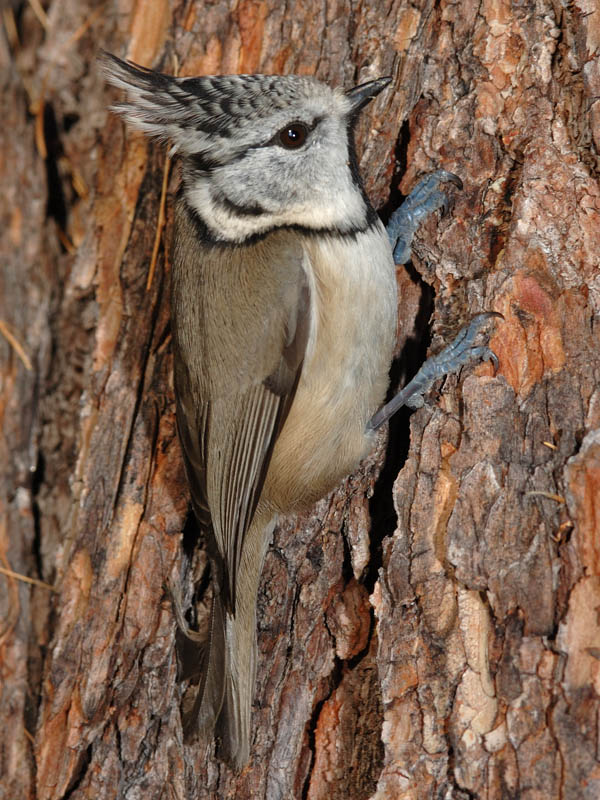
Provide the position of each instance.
(447, 649)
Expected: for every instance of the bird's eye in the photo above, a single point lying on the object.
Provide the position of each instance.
(293, 136)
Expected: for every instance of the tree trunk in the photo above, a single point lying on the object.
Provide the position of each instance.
(431, 629)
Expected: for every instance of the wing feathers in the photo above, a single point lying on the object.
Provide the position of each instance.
(229, 423)
(236, 478)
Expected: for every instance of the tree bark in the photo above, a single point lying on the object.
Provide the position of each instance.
(431, 629)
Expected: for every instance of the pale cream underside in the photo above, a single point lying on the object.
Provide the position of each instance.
(345, 377)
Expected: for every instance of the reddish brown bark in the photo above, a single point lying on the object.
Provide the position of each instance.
(447, 647)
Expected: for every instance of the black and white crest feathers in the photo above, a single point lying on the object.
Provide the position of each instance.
(212, 113)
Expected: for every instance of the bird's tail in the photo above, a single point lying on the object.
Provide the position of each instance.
(233, 725)
(206, 659)
(223, 704)
(232, 731)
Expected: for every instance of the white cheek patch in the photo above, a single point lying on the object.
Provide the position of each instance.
(270, 188)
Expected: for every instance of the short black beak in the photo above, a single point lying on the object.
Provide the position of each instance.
(363, 94)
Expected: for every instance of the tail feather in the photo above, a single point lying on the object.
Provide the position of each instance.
(202, 717)
(233, 725)
(223, 704)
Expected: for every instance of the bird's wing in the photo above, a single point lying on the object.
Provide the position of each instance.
(228, 431)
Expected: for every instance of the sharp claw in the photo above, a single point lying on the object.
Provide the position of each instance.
(479, 322)
(447, 204)
(489, 315)
(451, 177)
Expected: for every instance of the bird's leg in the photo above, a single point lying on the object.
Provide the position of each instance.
(425, 198)
(460, 352)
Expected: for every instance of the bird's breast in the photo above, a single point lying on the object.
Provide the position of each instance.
(345, 371)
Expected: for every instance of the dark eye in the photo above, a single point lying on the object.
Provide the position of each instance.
(293, 136)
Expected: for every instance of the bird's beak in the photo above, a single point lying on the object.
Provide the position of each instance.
(363, 94)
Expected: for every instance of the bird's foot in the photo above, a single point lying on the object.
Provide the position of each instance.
(463, 350)
(425, 198)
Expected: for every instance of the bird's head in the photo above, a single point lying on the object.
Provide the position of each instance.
(259, 151)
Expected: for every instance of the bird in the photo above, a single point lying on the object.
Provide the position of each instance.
(283, 316)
